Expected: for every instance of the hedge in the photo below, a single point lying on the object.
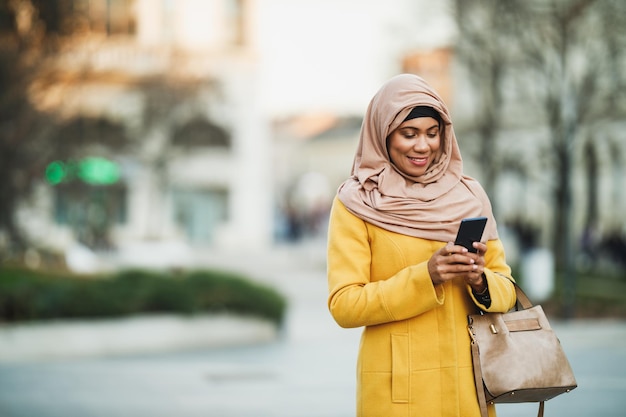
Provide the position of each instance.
(27, 295)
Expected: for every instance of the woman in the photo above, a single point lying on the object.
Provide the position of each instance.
(392, 266)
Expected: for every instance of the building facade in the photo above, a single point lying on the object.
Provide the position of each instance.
(230, 121)
(180, 99)
(166, 93)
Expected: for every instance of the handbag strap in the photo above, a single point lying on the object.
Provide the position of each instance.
(478, 377)
(523, 300)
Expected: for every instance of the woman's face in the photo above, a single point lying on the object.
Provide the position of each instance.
(414, 145)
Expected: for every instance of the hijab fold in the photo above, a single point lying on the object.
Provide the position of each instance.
(430, 206)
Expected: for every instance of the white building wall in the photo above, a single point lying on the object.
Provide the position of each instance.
(250, 223)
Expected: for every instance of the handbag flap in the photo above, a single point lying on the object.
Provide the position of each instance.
(521, 325)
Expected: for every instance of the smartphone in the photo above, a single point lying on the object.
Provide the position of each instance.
(470, 231)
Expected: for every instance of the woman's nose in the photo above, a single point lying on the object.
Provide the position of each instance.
(420, 143)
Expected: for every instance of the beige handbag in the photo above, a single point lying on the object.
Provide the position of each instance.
(517, 357)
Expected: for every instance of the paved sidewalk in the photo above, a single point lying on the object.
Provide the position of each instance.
(308, 372)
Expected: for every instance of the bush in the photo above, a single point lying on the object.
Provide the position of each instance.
(28, 295)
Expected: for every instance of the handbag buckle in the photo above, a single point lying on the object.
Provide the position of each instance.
(472, 335)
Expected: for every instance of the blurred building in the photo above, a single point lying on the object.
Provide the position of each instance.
(170, 91)
(186, 102)
(230, 123)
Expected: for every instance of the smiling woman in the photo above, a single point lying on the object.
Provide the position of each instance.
(393, 267)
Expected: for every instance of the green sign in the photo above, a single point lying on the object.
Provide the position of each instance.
(92, 170)
(56, 172)
(98, 171)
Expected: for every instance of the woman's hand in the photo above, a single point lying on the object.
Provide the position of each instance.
(454, 261)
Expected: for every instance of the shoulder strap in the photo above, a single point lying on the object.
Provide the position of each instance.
(522, 299)
(478, 376)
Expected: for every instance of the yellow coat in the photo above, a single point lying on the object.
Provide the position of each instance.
(414, 357)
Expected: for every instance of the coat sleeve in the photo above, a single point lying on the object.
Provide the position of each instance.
(354, 300)
(499, 280)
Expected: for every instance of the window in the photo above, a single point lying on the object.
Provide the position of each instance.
(90, 211)
(112, 17)
(200, 211)
(200, 132)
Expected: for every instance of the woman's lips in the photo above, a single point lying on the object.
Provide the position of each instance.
(418, 161)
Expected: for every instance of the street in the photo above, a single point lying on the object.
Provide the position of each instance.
(307, 372)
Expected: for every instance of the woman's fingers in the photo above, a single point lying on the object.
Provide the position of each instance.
(455, 261)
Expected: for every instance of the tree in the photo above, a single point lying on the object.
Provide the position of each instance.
(568, 58)
(571, 48)
(31, 33)
(487, 28)
(21, 126)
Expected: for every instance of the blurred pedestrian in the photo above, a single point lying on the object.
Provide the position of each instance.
(392, 264)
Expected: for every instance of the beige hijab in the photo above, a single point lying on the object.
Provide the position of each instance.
(430, 206)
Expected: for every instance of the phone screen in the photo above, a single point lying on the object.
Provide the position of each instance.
(470, 231)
